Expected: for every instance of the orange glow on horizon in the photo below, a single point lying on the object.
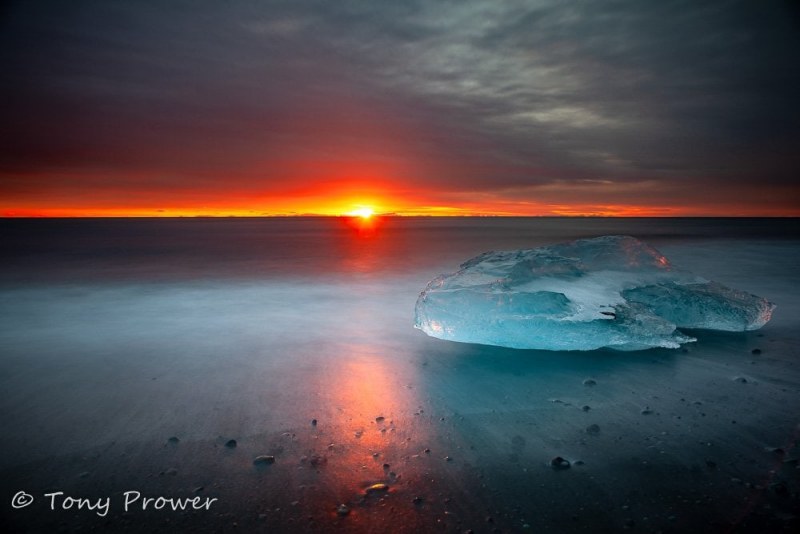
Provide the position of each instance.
(344, 209)
(357, 198)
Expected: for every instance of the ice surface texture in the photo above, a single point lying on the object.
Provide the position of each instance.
(610, 291)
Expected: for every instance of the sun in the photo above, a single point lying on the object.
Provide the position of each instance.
(363, 212)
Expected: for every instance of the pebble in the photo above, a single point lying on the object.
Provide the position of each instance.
(559, 463)
(342, 510)
(646, 410)
(380, 419)
(780, 488)
(448, 459)
(376, 488)
(593, 429)
(755, 351)
(317, 460)
(264, 460)
(586, 408)
(313, 422)
(589, 382)
(231, 443)
(173, 439)
(740, 379)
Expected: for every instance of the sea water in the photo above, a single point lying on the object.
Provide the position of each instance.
(294, 337)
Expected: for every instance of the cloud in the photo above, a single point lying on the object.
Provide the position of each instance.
(446, 96)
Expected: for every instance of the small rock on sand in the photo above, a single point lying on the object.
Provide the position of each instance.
(231, 443)
(318, 461)
(342, 510)
(264, 459)
(589, 382)
(376, 488)
(559, 463)
(173, 440)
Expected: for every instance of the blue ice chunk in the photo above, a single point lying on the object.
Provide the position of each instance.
(610, 291)
(708, 305)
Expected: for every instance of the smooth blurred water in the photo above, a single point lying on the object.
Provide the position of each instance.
(94, 312)
(145, 250)
(127, 331)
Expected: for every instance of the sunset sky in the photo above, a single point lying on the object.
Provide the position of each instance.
(542, 107)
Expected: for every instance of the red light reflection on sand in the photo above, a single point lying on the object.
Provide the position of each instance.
(371, 436)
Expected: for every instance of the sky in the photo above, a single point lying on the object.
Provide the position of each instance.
(540, 107)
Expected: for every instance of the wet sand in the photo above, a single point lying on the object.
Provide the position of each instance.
(680, 447)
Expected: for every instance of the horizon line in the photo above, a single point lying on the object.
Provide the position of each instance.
(398, 215)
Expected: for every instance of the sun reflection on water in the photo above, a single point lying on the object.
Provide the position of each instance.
(365, 224)
(367, 245)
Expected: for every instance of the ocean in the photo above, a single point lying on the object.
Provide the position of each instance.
(132, 351)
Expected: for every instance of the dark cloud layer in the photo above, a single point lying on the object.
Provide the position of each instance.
(499, 98)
